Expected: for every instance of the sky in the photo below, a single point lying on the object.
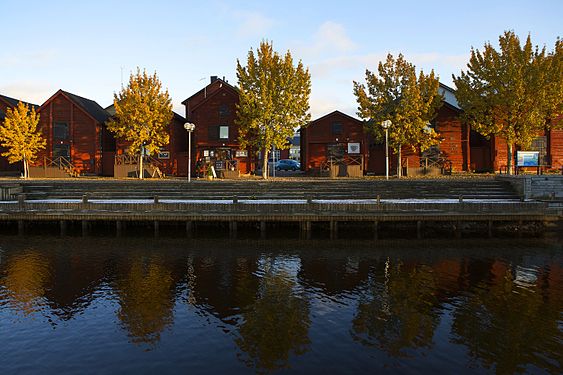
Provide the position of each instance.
(90, 47)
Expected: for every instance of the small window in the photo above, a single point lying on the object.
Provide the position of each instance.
(61, 150)
(223, 132)
(224, 110)
(60, 130)
(336, 128)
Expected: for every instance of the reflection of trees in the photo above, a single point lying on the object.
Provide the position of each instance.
(510, 326)
(277, 325)
(399, 312)
(333, 274)
(223, 286)
(147, 298)
(26, 278)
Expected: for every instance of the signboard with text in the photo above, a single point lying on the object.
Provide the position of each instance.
(527, 158)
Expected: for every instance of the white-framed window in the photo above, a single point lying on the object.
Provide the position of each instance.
(223, 132)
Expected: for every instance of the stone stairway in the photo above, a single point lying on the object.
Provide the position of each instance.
(473, 188)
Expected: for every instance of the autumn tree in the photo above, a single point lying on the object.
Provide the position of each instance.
(396, 93)
(513, 92)
(274, 100)
(143, 112)
(20, 136)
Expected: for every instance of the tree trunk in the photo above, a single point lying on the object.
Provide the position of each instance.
(25, 169)
(399, 166)
(265, 164)
(509, 159)
(141, 172)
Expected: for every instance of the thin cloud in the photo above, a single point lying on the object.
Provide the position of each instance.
(31, 92)
(252, 23)
(32, 59)
(328, 39)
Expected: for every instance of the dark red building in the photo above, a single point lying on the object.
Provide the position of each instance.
(169, 157)
(215, 138)
(335, 137)
(75, 130)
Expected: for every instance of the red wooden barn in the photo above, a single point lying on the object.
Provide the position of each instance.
(333, 137)
(336, 134)
(215, 138)
(492, 154)
(169, 156)
(5, 167)
(75, 130)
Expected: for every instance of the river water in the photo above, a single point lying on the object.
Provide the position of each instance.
(105, 305)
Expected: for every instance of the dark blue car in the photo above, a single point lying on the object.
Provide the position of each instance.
(287, 165)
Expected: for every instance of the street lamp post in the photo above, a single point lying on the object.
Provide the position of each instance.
(385, 125)
(189, 128)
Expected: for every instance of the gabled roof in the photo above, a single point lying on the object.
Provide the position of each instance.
(224, 83)
(336, 113)
(14, 102)
(91, 107)
(449, 96)
(179, 117)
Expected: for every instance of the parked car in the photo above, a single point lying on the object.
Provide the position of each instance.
(287, 165)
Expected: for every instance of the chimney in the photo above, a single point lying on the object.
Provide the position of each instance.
(213, 79)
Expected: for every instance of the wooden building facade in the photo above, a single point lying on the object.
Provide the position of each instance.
(75, 130)
(343, 137)
(215, 138)
(335, 138)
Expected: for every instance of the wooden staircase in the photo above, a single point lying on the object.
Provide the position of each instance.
(57, 167)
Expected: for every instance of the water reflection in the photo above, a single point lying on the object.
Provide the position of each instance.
(25, 280)
(276, 325)
(146, 298)
(497, 307)
(398, 310)
(508, 324)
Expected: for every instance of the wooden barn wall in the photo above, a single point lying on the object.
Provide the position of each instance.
(454, 138)
(83, 134)
(207, 116)
(556, 148)
(319, 134)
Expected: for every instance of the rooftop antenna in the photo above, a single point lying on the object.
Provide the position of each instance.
(121, 77)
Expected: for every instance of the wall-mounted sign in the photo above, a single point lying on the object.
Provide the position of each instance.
(241, 153)
(353, 148)
(527, 158)
(164, 155)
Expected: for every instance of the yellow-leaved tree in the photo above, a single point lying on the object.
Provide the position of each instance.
(20, 136)
(274, 100)
(513, 92)
(143, 112)
(396, 93)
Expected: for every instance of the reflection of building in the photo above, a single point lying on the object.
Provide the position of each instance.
(215, 139)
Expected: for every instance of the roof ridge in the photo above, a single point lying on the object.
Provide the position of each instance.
(15, 101)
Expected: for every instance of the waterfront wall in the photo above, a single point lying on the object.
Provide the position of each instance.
(536, 187)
